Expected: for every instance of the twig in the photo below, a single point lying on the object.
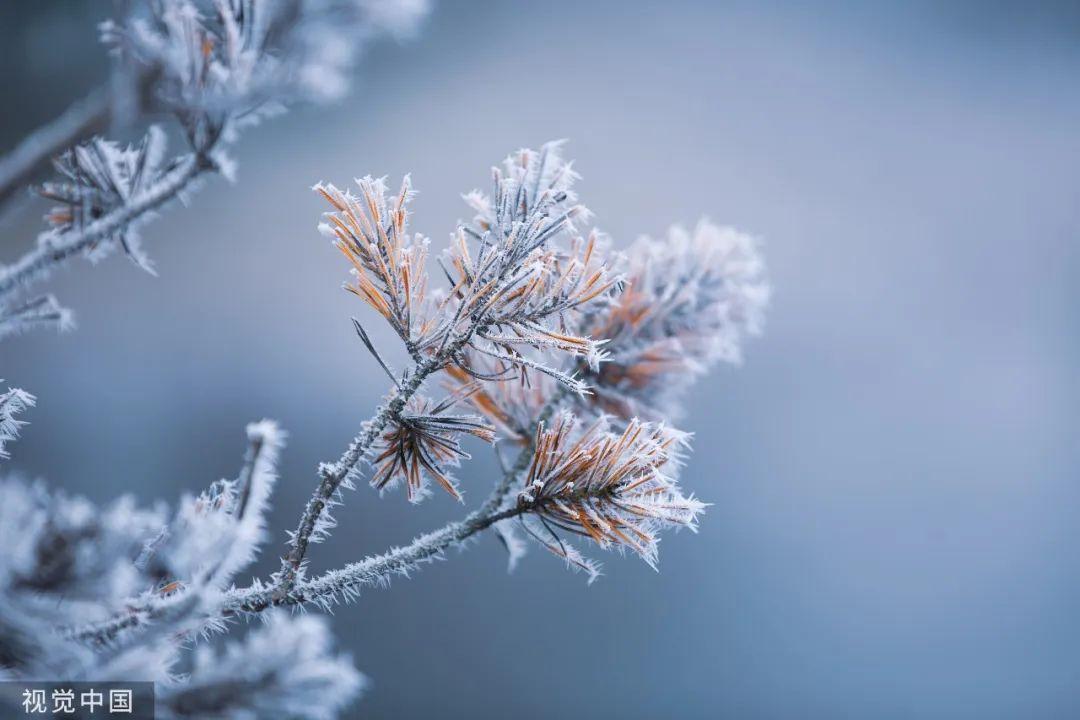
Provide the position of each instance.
(369, 571)
(374, 569)
(333, 475)
(347, 581)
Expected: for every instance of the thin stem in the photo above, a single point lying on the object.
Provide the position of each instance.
(83, 119)
(55, 248)
(371, 570)
(252, 459)
(333, 475)
(521, 463)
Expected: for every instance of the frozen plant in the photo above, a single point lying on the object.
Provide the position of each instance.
(214, 67)
(545, 340)
(67, 563)
(208, 68)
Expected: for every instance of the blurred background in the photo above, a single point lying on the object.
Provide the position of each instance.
(894, 470)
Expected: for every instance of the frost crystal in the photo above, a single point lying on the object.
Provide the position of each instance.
(536, 329)
(239, 57)
(12, 402)
(389, 266)
(43, 311)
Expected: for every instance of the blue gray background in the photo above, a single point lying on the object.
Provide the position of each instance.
(894, 471)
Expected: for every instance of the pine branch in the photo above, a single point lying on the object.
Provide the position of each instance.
(333, 475)
(373, 570)
(54, 249)
(85, 118)
(345, 582)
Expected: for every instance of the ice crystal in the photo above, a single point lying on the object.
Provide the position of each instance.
(146, 588)
(235, 58)
(559, 344)
(389, 265)
(12, 402)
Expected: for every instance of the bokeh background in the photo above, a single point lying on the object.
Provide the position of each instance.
(894, 470)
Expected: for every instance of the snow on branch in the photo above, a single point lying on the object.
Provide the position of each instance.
(218, 532)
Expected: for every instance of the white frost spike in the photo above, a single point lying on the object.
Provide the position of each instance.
(517, 288)
(577, 562)
(43, 311)
(284, 669)
(12, 402)
(617, 489)
(253, 489)
(515, 547)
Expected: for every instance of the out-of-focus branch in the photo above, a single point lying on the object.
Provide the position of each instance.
(85, 118)
(54, 249)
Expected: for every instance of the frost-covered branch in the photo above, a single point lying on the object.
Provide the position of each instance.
(149, 589)
(504, 296)
(55, 248)
(84, 119)
(216, 67)
(346, 582)
(558, 344)
(42, 311)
